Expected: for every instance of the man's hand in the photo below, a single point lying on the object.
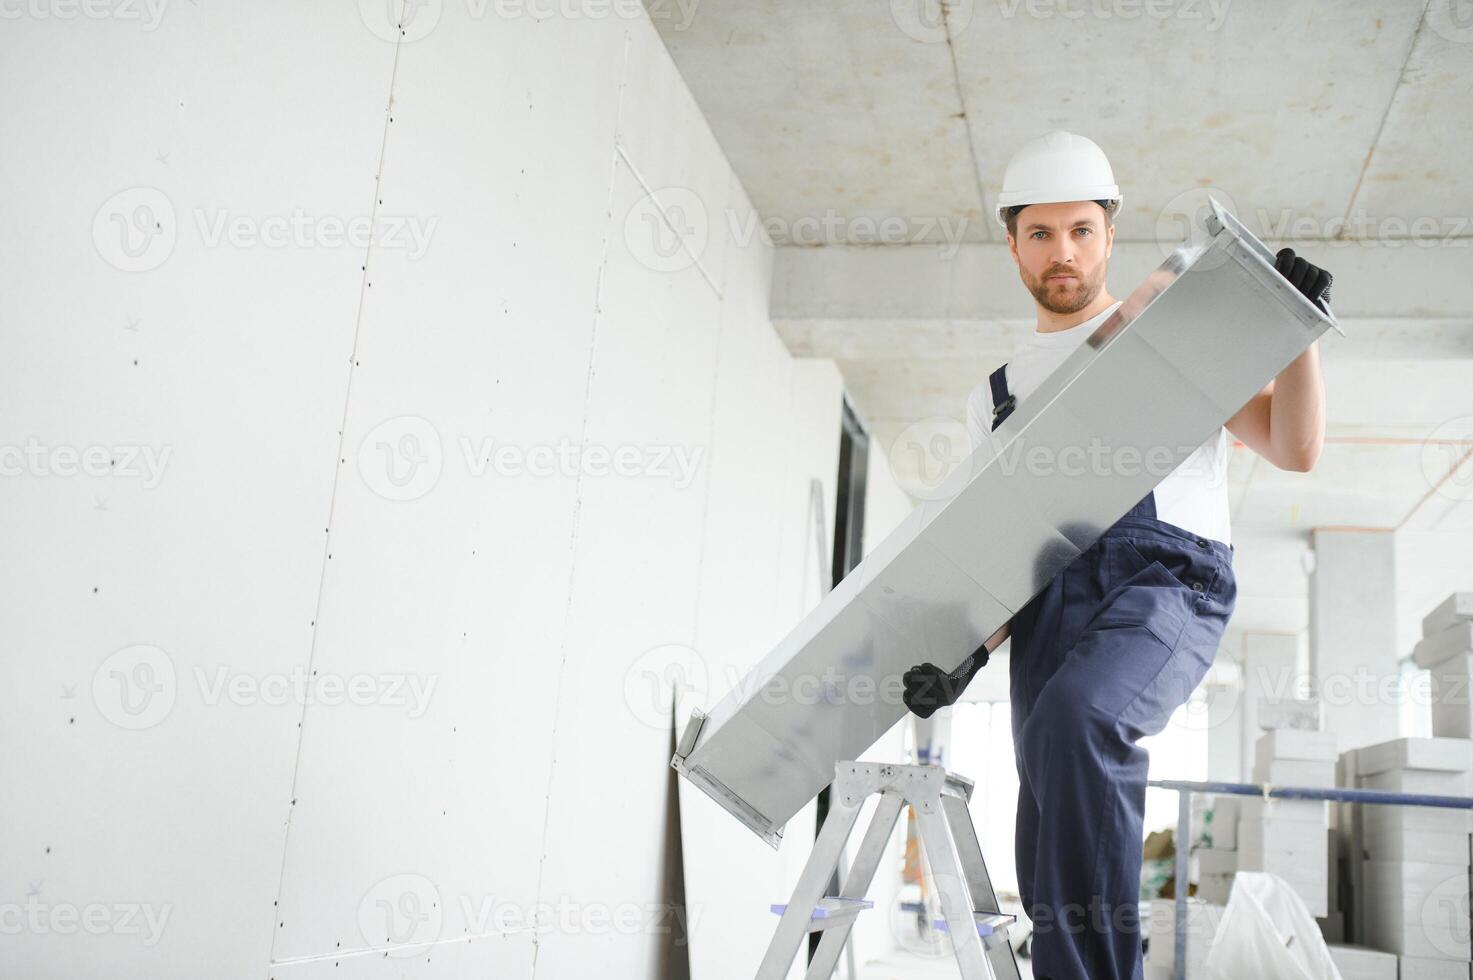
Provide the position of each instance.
(928, 688)
(1310, 280)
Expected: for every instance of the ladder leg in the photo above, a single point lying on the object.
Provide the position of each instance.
(796, 918)
(857, 882)
(979, 882)
(969, 850)
(956, 904)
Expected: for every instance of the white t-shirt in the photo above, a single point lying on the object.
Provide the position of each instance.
(1193, 496)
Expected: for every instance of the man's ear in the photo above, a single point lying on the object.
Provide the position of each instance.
(1013, 248)
(1109, 239)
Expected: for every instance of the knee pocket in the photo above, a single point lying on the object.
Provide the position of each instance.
(1152, 599)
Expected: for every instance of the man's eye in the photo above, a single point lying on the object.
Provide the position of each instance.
(1085, 231)
(1037, 233)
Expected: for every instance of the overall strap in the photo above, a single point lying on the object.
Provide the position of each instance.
(1002, 400)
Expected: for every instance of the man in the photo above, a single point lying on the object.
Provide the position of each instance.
(1121, 637)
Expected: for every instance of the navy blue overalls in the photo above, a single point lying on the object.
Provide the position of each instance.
(1101, 657)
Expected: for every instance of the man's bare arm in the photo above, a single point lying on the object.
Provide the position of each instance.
(1285, 422)
(995, 640)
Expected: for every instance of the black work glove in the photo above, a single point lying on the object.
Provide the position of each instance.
(928, 688)
(1310, 280)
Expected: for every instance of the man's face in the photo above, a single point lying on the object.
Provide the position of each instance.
(1062, 251)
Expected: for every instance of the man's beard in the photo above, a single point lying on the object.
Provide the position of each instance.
(1063, 298)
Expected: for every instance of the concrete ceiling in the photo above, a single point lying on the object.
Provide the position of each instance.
(872, 138)
(837, 112)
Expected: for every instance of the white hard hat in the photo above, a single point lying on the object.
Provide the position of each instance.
(1055, 167)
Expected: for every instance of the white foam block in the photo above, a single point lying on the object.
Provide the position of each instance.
(1360, 963)
(1418, 879)
(1439, 847)
(1317, 774)
(1215, 888)
(1273, 713)
(1414, 820)
(1457, 606)
(1212, 860)
(1332, 925)
(1451, 720)
(1434, 649)
(1298, 836)
(1431, 782)
(1216, 820)
(1294, 743)
(1452, 697)
(1440, 754)
(1416, 908)
(1424, 968)
(1294, 855)
(1408, 939)
(1225, 813)
(1282, 811)
(1202, 922)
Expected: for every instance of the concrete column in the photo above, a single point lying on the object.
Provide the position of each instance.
(1224, 728)
(1352, 634)
(1271, 672)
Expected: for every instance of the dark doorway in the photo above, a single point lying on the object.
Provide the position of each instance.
(848, 551)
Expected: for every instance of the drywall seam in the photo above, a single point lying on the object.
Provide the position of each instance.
(338, 466)
(614, 157)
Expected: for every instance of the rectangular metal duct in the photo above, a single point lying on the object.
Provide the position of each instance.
(1187, 349)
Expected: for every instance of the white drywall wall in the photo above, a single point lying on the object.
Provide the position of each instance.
(361, 484)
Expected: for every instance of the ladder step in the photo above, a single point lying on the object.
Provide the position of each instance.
(831, 911)
(988, 923)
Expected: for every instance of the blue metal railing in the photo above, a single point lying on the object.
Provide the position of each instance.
(1185, 789)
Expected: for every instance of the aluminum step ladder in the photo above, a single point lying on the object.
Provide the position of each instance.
(952, 850)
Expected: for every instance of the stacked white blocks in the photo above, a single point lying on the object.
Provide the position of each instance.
(1290, 838)
(1360, 963)
(1446, 651)
(1202, 922)
(1413, 887)
(1218, 860)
